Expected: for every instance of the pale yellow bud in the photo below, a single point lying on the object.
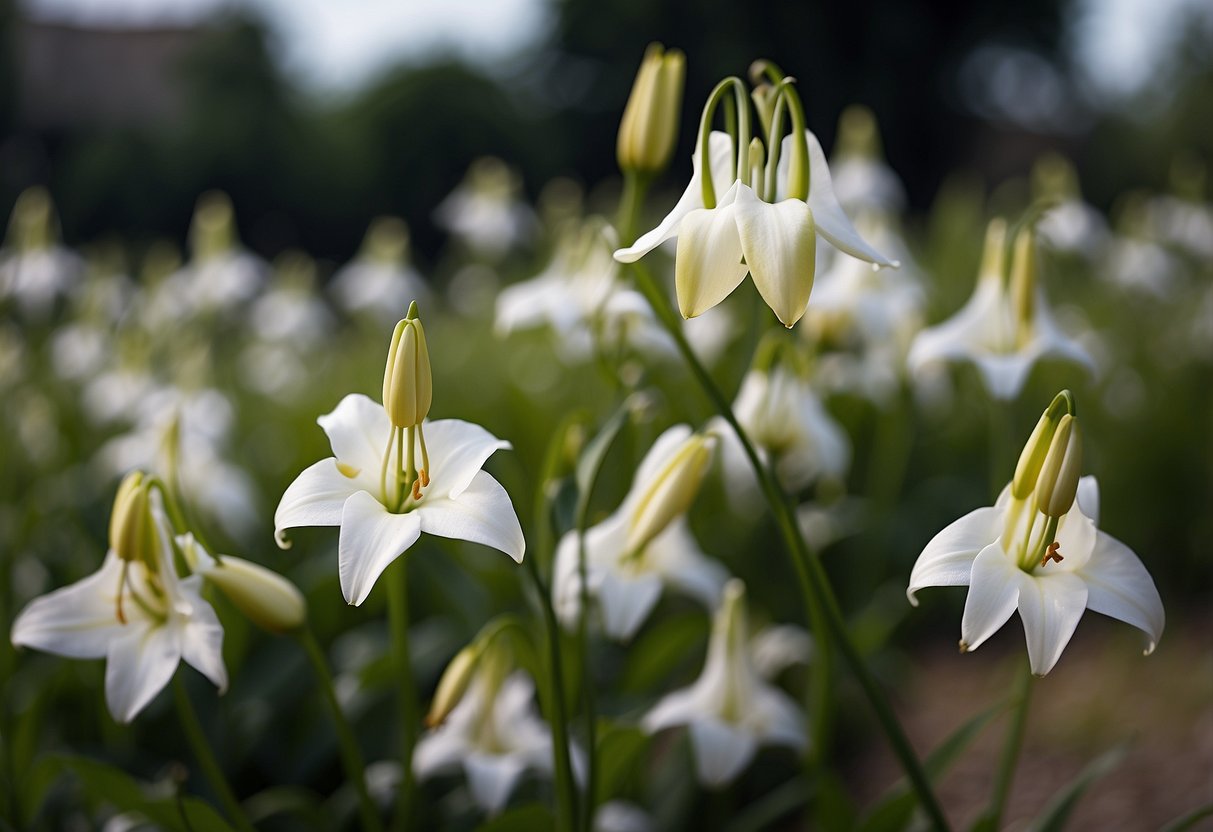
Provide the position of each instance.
(1062, 468)
(648, 130)
(1027, 470)
(407, 382)
(266, 598)
(672, 491)
(132, 533)
(1024, 271)
(453, 684)
(993, 255)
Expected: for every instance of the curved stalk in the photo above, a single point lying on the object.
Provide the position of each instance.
(815, 586)
(206, 757)
(406, 692)
(351, 757)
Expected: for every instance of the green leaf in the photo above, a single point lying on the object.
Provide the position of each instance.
(532, 817)
(107, 784)
(594, 455)
(896, 809)
(619, 749)
(768, 810)
(1055, 815)
(1189, 820)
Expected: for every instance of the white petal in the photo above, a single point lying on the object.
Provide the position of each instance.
(202, 635)
(966, 332)
(720, 152)
(139, 665)
(675, 556)
(78, 621)
(1088, 498)
(315, 498)
(492, 777)
(626, 601)
(1050, 606)
(440, 749)
(775, 718)
(707, 265)
(371, 538)
(660, 452)
(358, 430)
(832, 221)
(779, 245)
(721, 751)
(1004, 375)
(779, 647)
(483, 513)
(1119, 585)
(993, 593)
(948, 559)
(457, 451)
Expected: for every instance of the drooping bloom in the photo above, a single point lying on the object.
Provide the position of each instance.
(1005, 327)
(742, 214)
(1038, 550)
(493, 732)
(645, 545)
(380, 280)
(136, 612)
(1071, 225)
(730, 710)
(383, 502)
(486, 211)
(34, 270)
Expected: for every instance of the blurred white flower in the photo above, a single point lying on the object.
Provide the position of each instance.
(34, 270)
(784, 418)
(626, 575)
(347, 490)
(138, 615)
(1005, 327)
(486, 211)
(1071, 225)
(380, 282)
(1143, 267)
(863, 182)
(731, 711)
(494, 734)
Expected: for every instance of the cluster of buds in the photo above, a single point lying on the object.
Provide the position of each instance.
(408, 391)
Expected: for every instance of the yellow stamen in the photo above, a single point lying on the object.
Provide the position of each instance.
(1052, 554)
(425, 478)
(416, 489)
(121, 588)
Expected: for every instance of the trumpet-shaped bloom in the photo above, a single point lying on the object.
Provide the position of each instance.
(1089, 570)
(142, 620)
(730, 710)
(1002, 334)
(626, 580)
(774, 242)
(783, 416)
(346, 490)
(494, 734)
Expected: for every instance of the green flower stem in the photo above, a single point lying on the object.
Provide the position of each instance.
(351, 757)
(557, 709)
(815, 585)
(587, 676)
(406, 692)
(1011, 748)
(206, 757)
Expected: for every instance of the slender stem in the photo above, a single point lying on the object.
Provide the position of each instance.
(351, 757)
(406, 693)
(630, 202)
(558, 715)
(587, 674)
(809, 571)
(1011, 748)
(206, 757)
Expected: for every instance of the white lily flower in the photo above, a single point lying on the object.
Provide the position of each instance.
(461, 501)
(34, 270)
(1071, 225)
(730, 710)
(1042, 554)
(783, 416)
(138, 615)
(581, 297)
(495, 734)
(863, 181)
(486, 210)
(763, 225)
(380, 280)
(1003, 329)
(626, 575)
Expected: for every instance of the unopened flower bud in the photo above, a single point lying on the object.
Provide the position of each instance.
(649, 127)
(1024, 270)
(264, 597)
(993, 254)
(453, 684)
(132, 534)
(1027, 470)
(1062, 468)
(407, 383)
(672, 491)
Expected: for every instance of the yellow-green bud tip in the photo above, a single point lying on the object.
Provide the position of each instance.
(453, 684)
(132, 535)
(1031, 459)
(672, 491)
(648, 130)
(266, 598)
(407, 381)
(1062, 468)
